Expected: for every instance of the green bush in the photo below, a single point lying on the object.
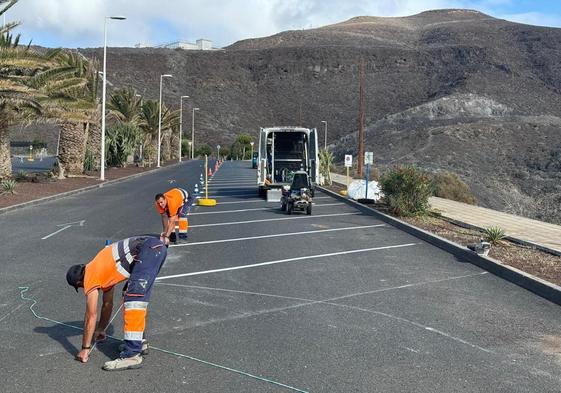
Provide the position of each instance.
(449, 185)
(8, 186)
(185, 149)
(121, 141)
(407, 190)
(90, 163)
(204, 150)
(494, 235)
(20, 176)
(325, 165)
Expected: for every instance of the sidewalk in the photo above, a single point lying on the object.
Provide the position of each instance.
(519, 228)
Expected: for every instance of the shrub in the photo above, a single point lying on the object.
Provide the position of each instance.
(325, 165)
(8, 186)
(494, 235)
(449, 185)
(20, 176)
(120, 141)
(407, 190)
(90, 163)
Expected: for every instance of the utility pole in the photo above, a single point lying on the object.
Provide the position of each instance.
(360, 158)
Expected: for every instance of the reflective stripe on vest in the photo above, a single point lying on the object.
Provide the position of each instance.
(121, 252)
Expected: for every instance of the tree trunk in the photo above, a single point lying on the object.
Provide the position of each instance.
(175, 146)
(72, 148)
(93, 143)
(5, 161)
(166, 145)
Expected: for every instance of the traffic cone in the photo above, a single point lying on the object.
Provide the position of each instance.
(196, 191)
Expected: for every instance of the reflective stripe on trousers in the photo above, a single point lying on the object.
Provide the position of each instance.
(138, 291)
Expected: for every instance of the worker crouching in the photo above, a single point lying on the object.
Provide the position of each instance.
(136, 260)
(173, 206)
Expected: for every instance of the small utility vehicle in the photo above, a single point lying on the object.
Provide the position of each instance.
(297, 196)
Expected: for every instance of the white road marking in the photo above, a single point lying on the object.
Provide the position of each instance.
(330, 301)
(237, 239)
(260, 208)
(215, 196)
(264, 201)
(274, 219)
(331, 254)
(65, 226)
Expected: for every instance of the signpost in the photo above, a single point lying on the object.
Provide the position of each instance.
(368, 160)
(348, 165)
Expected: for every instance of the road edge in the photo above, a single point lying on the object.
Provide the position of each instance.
(536, 285)
(34, 202)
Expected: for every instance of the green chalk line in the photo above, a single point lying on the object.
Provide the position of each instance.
(25, 289)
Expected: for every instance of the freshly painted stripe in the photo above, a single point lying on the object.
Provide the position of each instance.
(275, 219)
(259, 209)
(332, 254)
(264, 201)
(237, 239)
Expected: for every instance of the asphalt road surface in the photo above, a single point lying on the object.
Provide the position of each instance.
(260, 301)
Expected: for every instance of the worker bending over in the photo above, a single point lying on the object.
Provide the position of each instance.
(173, 206)
(135, 259)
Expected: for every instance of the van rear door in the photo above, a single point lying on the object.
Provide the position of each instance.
(314, 160)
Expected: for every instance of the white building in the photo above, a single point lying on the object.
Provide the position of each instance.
(201, 44)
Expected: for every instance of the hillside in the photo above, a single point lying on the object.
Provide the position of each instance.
(448, 90)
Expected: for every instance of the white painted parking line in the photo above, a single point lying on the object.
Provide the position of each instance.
(213, 186)
(332, 254)
(260, 209)
(214, 196)
(274, 219)
(331, 302)
(238, 239)
(264, 201)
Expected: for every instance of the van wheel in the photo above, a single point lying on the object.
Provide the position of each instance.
(309, 210)
(289, 208)
(283, 206)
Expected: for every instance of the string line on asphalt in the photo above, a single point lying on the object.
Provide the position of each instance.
(23, 290)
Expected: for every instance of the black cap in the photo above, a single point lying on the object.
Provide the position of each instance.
(75, 276)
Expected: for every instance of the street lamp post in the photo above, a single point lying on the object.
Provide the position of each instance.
(181, 123)
(325, 137)
(160, 117)
(190, 149)
(104, 90)
(218, 152)
(193, 134)
(140, 148)
(251, 143)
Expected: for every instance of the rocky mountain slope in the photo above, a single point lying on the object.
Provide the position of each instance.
(447, 90)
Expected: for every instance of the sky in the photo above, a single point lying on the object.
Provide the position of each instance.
(80, 23)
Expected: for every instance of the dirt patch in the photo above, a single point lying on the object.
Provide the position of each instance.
(40, 185)
(530, 260)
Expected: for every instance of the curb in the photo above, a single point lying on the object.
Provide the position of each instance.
(7, 209)
(534, 284)
(509, 238)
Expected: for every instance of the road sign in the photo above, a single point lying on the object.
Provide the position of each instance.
(368, 158)
(348, 161)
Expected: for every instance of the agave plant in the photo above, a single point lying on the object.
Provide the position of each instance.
(494, 235)
(8, 186)
(325, 165)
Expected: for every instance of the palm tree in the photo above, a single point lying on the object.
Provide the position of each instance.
(70, 91)
(149, 124)
(125, 106)
(18, 101)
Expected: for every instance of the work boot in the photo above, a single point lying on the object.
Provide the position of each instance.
(144, 350)
(123, 363)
